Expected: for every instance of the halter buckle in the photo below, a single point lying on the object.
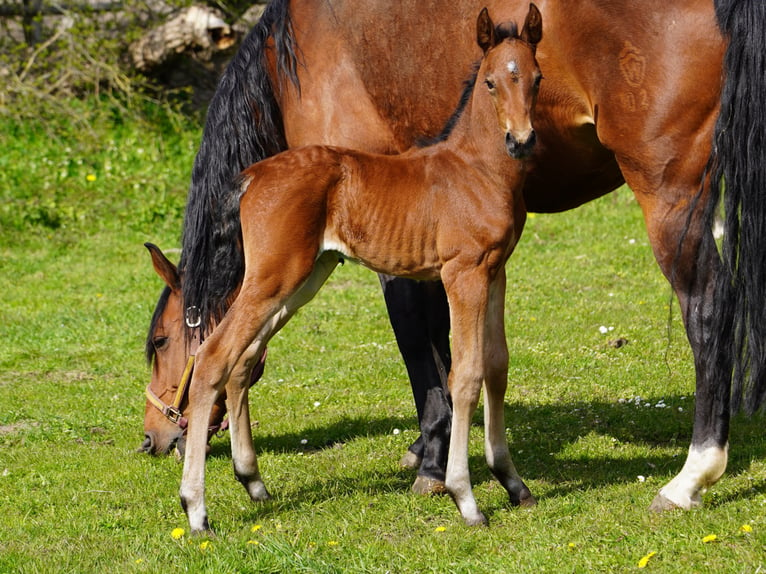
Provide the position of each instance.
(173, 414)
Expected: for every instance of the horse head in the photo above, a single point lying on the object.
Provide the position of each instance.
(510, 73)
(170, 346)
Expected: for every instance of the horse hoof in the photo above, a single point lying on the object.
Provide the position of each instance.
(410, 460)
(526, 500)
(662, 504)
(427, 486)
(478, 520)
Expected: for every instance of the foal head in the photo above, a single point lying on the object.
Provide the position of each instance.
(509, 72)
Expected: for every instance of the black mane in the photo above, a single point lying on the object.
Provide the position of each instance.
(244, 125)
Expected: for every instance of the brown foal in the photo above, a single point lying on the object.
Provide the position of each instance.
(452, 211)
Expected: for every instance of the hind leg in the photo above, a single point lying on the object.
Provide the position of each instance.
(691, 270)
(244, 458)
(496, 364)
(419, 315)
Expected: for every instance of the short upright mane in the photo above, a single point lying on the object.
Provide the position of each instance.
(504, 31)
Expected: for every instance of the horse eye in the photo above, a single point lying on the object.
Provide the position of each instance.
(160, 342)
(490, 85)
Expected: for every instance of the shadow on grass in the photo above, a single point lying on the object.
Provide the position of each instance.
(571, 446)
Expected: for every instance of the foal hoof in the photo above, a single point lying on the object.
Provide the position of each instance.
(427, 486)
(410, 460)
(662, 504)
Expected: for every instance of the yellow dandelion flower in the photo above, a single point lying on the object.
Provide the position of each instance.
(746, 528)
(440, 529)
(204, 545)
(253, 542)
(177, 533)
(256, 528)
(709, 538)
(332, 543)
(139, 560)
(90, 177)
(645, 560)
(571, 545)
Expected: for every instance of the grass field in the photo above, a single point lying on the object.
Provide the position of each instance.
(595, 430)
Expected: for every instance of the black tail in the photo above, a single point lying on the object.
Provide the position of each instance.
(739, 166)
(244, 125)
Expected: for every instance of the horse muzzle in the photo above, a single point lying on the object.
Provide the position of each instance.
(520, 149)
(162, 444)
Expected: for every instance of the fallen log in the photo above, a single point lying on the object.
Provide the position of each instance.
(199, 30)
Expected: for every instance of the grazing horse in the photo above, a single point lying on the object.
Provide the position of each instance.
(452, 211)
(665, 96)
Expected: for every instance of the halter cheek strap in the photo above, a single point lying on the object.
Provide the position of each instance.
(173, 411)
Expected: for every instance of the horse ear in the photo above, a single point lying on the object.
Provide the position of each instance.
(533, 26)
(485, 31)
(164, 267)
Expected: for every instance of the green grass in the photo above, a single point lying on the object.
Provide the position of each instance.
(78, 292)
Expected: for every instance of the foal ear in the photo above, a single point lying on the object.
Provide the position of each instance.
(533, 26)
(164, 267)
(485, 31)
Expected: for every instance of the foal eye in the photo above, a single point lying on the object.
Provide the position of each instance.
(490, 85)
(160, 342)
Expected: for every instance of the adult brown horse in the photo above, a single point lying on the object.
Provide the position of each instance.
(632, 93)
(452, 211)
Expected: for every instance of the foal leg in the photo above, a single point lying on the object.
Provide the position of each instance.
(232, 349)
(467, 290)
(419, 315)
(243, 455)
(496, 364)
(244, 458)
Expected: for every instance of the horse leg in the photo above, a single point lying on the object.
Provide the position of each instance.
(419, 315)
(233, 348)
(244, 458)
(243, 455)
(496, 381)
(468, 297)
(687, 255)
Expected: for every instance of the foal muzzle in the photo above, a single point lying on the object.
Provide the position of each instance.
(517, 149)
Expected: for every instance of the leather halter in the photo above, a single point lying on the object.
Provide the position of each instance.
(172, 412)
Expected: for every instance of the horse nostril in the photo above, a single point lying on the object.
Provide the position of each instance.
(148, 445)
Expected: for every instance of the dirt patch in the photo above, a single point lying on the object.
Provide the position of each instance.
(18, 427)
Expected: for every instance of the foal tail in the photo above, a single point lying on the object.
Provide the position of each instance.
(738, 161)
(244, 125)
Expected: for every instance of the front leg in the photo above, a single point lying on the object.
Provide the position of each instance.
(202, 397)
(419, 315)
(496, 360)
(467, 289)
